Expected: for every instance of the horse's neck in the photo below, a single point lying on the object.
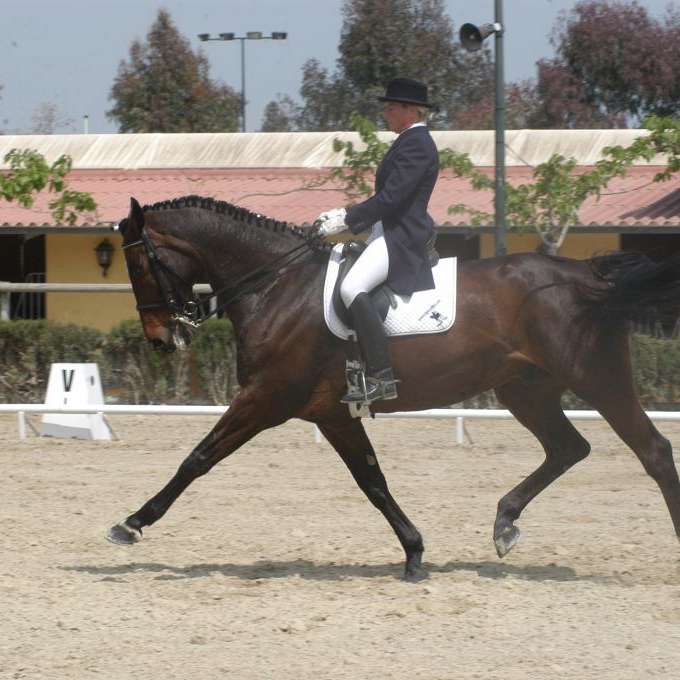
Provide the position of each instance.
(231, 251)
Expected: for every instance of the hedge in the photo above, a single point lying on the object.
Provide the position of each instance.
(133, 373)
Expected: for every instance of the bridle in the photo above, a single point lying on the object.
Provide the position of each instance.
(188, 313)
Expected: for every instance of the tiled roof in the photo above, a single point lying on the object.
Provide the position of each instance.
(290, 194)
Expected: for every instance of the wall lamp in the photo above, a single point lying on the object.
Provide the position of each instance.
(104, 253)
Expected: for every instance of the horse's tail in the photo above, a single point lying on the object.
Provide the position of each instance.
(629, 286)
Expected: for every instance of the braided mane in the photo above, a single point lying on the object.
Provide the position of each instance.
(240, 214)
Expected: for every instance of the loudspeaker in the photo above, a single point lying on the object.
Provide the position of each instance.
(472, 36)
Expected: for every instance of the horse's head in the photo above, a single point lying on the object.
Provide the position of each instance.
(162, 269)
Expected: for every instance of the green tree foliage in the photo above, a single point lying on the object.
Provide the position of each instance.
(382, 39)
(549, 205)
(663, 138)
(30, 173)
(280, 115)
(328, 100)
(166, 87)
(358, 166)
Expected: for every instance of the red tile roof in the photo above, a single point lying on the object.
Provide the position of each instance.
(280, 193)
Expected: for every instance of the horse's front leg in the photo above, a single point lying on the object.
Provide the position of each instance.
(349, 439)
(244, 419)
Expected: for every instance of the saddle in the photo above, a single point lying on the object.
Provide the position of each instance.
(383, 296)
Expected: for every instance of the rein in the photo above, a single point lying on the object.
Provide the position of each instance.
(189, 312)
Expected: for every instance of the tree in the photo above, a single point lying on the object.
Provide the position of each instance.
(47, 118)
(562, 102)
(280, 115)
(663, 138)
(356, 172)
(30, 173)
(382, 39)
(614, 64)
(548, 206)
(521, 105)
(166, 87)
(328, 100)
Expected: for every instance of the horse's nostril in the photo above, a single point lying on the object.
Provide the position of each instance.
(157, 344)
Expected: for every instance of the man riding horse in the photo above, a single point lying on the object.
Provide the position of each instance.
(400, 230)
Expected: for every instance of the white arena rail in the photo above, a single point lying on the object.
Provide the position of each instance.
(7, 288)
(460, 414)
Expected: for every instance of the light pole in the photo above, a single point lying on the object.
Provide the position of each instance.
(472, 38)
(250, 35)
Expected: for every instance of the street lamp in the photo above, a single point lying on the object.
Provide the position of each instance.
(472, 38)
(250, 35)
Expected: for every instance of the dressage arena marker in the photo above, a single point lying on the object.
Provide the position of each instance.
(162, 410)
(75, 385)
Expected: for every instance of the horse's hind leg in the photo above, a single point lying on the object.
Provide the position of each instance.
(537, 407)
(610, 390)
(349, 439)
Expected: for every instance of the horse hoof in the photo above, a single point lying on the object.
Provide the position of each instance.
(123, 534)
(416, 574)
(506, 541)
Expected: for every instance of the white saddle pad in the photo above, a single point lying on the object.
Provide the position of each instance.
(427, 311)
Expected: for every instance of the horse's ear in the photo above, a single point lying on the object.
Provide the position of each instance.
(135, 220)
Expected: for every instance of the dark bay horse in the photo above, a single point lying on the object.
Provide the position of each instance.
(528, 326)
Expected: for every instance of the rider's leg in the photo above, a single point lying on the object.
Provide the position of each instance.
(369, 271)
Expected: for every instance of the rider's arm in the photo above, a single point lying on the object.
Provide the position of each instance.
(415, 157)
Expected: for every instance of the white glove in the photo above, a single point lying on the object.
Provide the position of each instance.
(332, 222)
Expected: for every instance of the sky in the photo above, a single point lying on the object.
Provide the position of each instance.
(67, 52)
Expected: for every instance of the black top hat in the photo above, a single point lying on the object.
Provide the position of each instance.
(406, 91)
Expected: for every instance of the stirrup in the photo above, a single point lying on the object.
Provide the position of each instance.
(376, 390)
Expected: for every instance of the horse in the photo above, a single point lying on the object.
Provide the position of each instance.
(528, 326)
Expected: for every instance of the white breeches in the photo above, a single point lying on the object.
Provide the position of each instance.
(370, 270)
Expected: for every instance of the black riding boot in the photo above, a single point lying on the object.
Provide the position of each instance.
(380, 382)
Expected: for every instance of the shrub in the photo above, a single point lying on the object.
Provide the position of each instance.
(135, 373)
(27, 348)
(139, 374)
(213, 351)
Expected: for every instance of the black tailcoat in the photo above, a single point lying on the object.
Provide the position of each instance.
(403, 186)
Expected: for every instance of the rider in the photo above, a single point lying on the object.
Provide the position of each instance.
(400, 229)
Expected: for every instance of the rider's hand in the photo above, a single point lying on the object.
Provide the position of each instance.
(332, 222)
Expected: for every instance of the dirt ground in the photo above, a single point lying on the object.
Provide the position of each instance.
(275, 565)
